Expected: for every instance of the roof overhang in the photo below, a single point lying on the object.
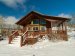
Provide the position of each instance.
(32, 15)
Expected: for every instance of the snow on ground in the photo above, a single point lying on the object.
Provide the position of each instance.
(44, 48)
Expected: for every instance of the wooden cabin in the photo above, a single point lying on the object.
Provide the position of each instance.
(36, 26)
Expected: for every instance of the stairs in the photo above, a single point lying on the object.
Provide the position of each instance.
(16, 41)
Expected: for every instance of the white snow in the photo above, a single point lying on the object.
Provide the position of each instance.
(16, 42)
(43, 48)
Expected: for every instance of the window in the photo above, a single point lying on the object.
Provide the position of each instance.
(42, 21)
(43, 28)
(35, 28)
(36, 21)
(29, 28)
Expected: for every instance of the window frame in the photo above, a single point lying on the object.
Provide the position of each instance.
(35, 28)
(43, 28)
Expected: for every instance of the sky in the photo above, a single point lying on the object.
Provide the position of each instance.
(18, 8)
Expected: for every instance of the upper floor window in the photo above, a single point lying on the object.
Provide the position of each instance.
(42, 21)
(36, 21)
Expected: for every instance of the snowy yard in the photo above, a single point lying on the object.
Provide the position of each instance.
(45, 48)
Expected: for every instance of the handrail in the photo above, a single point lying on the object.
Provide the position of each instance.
(23, 38)
(12, 36)
(24, 33)
(13, 33)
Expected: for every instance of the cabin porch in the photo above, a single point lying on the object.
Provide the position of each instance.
(51, 33)
(30, 36)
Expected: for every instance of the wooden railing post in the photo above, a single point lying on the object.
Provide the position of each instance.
(23, 37)
(9, 40)
(21, 41)
(65, 36)
(12, 36)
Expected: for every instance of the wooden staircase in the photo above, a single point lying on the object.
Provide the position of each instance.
(12, 36)
(16, 39)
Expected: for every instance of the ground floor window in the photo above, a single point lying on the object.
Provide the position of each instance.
(43, 28)
(35, 28)
(29, 28)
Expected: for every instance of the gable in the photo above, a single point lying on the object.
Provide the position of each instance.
(33, 15)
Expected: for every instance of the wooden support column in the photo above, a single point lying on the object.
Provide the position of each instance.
(65, 32)
(49, 28)
(62, 27)
(24, 29)
(58, 29)
(39, 27)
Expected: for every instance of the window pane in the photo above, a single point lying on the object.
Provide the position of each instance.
(43, 28)
(35, 28)
(29, 28)
(36, 21)
(42, 22)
